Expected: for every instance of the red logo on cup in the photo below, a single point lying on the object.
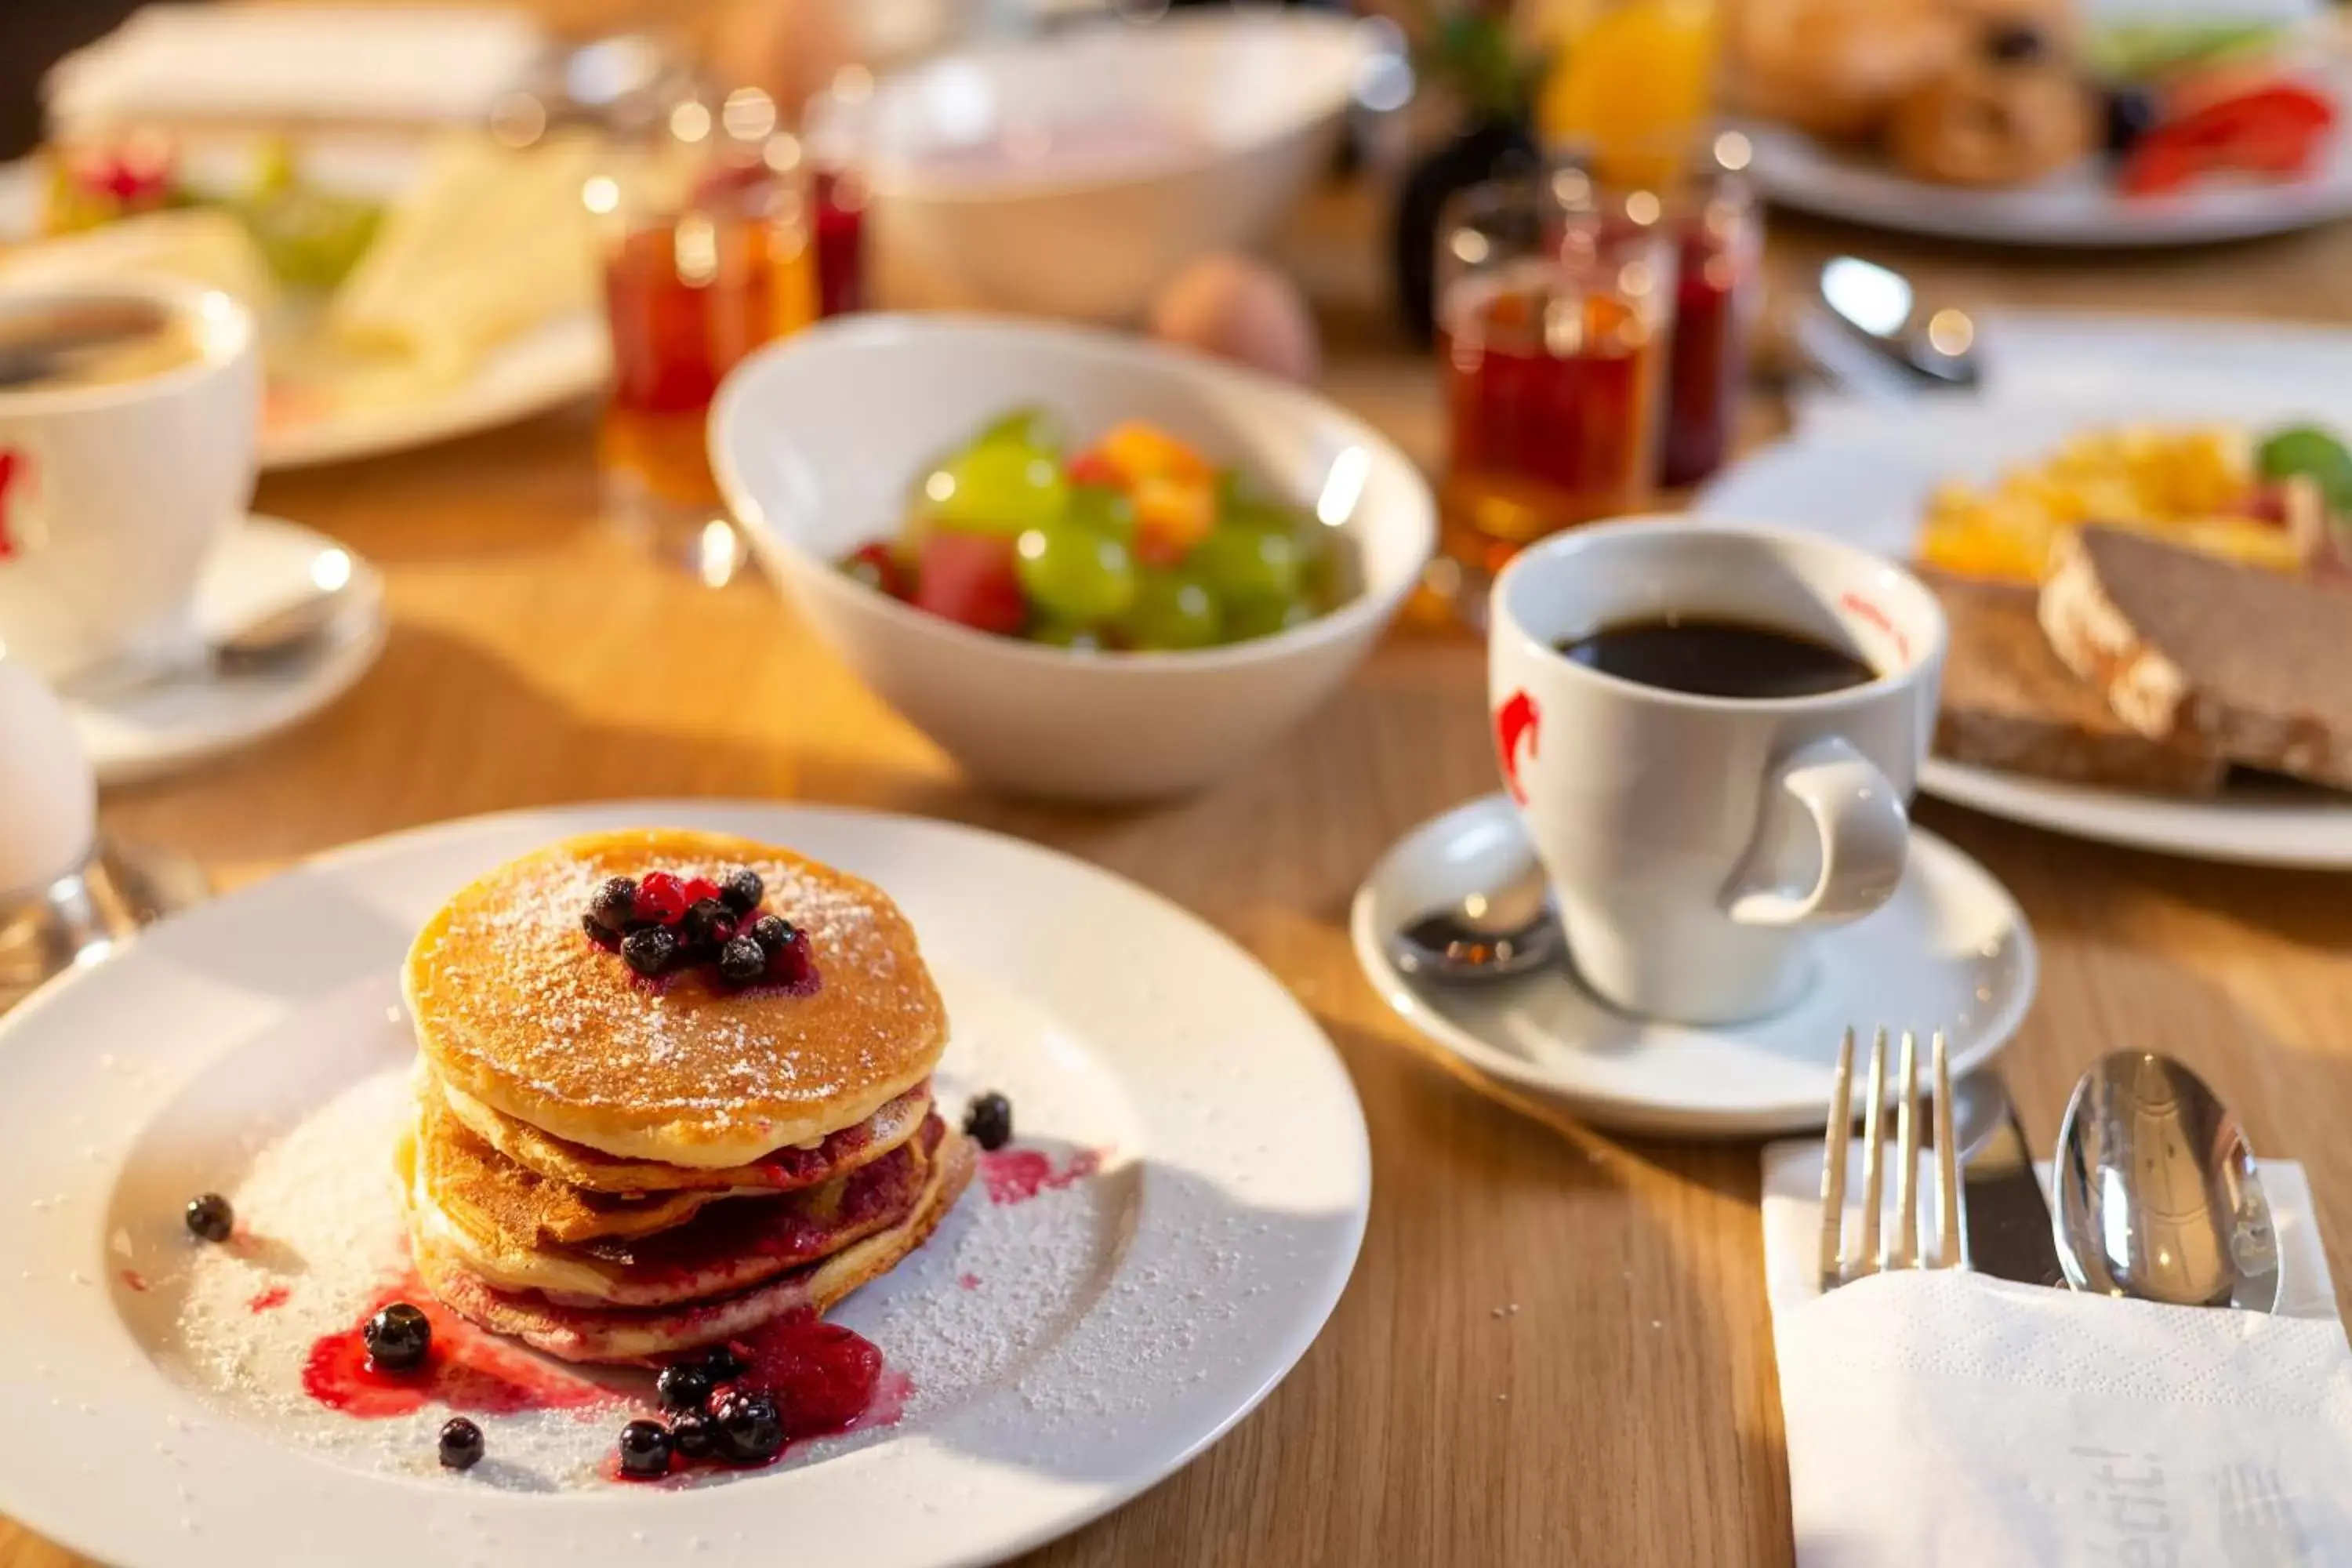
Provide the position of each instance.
(1855, 604)
(1516, 718)
(16, 476)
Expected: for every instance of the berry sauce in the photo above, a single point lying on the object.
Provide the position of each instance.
(135, 1281)
(827, 1381)
(1017, 1175)
(465, 1370)
(267, 1300)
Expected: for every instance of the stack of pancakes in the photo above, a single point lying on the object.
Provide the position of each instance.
(613, 1168)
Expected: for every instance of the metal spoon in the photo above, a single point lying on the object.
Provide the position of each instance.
(284, 636)
(2159, 1197)
(1501, 931)
(1868, 334)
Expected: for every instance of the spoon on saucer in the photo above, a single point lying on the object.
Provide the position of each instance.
(278, 637)
(1505, 929)
(2159, 1197)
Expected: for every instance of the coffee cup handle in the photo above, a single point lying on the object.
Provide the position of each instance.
(1831, 845)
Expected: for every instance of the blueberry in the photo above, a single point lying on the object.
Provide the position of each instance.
(771, 932)
(398, 1337)
(742, 891)
(695, 1437)
(2015, 43)
(988, 1121)
(723, 1364)
(2132, 112)
(461, 1443)
(612, 903)
(598, 934)
(210, 1218)
(684, 1387)
(742, 960)
(750, 1429)
(648, 951)
(708, 924)
(645, 1448)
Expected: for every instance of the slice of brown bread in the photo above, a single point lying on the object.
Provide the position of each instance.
(2008, 703)
(2187, 647)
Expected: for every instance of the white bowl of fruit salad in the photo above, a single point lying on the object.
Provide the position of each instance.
(1086, 565)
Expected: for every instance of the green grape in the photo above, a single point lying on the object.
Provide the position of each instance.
(1246, 564)
(1264, 617)
(1103, 510)
(1028, 427)
(996, 487)
(1172, 611)
(1070, 635)
(1075, 574)
(311, 239)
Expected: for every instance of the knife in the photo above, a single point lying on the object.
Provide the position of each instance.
(2004, 1217)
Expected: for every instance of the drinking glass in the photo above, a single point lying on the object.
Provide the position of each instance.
(1718, 288)
(1554, 295)
(708, 254)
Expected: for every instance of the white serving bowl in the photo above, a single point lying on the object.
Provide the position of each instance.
(817, 440)
(1073, 175)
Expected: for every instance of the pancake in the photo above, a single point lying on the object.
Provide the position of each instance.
(515, 1006)
(784, 1171)
(462, 1200)
(493, 1195)
(592, 1334)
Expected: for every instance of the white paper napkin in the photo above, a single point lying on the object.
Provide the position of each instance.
(439, 63)
(1941, 1419)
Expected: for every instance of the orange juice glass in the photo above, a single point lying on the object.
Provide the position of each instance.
(1632, 80)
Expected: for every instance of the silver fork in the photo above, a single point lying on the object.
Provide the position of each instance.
(1906, 1247)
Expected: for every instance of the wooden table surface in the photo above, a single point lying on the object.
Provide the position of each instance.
(1627, 1412)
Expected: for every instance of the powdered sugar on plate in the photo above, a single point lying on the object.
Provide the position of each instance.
(320, 1237)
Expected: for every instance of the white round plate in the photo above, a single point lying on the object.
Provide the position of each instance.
(1950, 950)
(1066, 1353)
(178, 722)
(1867, 480)
(2078, 208)
(542, 369)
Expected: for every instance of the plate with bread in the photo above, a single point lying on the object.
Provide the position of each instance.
(408, 292)
(2063, 123)
(2151, 616)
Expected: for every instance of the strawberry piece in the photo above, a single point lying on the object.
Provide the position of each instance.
(969, 578)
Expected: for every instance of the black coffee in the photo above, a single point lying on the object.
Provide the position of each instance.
(1718, 658)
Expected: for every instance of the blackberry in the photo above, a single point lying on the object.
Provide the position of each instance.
(742, 891)
(694, 1435)
(684, 1387)
(210, 1218)
(645, 1448)
(399, 1336)
(461, 1443)
(742, 960)
(649, 952)
(988, 1121)
(751, 1431)
(614, 906)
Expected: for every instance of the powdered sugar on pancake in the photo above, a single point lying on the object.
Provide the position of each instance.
(518, 1006)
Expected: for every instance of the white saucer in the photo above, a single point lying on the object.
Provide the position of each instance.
(178, 723)
(1950, 950)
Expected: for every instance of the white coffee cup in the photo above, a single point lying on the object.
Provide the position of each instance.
(113, 495)
(1697, 844)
